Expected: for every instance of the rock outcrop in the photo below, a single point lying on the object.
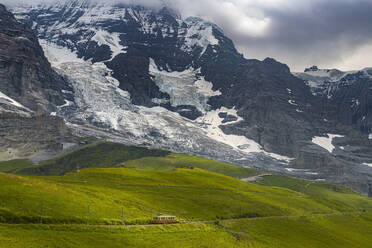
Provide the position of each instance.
(29, 91)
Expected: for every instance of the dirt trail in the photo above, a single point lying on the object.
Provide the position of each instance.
(189, 222)
(255, 178)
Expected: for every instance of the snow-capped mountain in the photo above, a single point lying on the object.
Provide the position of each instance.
(350, 91)
(151, 77)
(321, 81)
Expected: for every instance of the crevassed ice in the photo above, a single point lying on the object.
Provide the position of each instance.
(101, 103)
(185, 87)
(112, 40)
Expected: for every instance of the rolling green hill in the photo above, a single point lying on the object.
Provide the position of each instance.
(15, 165)
(111, 155)
(87, 207)
(101, 155)
(349, 230)
(102, 194)
(175, 160)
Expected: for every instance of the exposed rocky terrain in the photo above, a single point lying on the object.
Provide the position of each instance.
(29, 90)
(151, 77)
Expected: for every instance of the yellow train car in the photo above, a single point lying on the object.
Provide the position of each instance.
(164, 219)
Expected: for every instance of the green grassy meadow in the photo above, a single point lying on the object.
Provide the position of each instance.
(102, 195)
(190, 235)
(350, 230)
(339, 231)
(88, 207)
(175, 160)
(13, 166)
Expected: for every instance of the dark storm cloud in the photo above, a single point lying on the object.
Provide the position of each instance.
(329, 33)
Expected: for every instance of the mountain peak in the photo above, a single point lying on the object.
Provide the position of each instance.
(313, 68)
(171, 12)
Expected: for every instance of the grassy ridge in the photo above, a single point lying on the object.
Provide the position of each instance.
(102, 194)
(111, 155)
(101, 155)
(174, 160)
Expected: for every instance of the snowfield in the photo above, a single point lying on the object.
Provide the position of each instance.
(184, 88)
(326, 142)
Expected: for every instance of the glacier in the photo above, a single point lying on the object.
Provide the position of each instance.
(101, 109)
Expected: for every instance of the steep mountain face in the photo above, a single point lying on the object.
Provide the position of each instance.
(149, 77)
(29, 90)
(25, 73)
(350, 92)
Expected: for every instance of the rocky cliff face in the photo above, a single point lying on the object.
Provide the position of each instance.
(29, 91)
(25, 73)
(27, 136)
(153, 78)
(350, 92)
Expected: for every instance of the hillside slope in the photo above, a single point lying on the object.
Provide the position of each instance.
(111, 155)
(88, 209)
(302, 232)
(101, 195)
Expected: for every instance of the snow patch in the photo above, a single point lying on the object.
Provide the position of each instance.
(311, 173)
(101, 13)
(199, 34)
(326, 142)
(306, 171)
(368, 164)
(7, 100)
(292, 102)
(355, 103)
(112, 40)
(212, 122)
(57, 54)
(370, 136)
(299, 111)
(67, 103)
(184, 88)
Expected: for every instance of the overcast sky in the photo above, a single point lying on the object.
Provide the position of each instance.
(301, 33)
